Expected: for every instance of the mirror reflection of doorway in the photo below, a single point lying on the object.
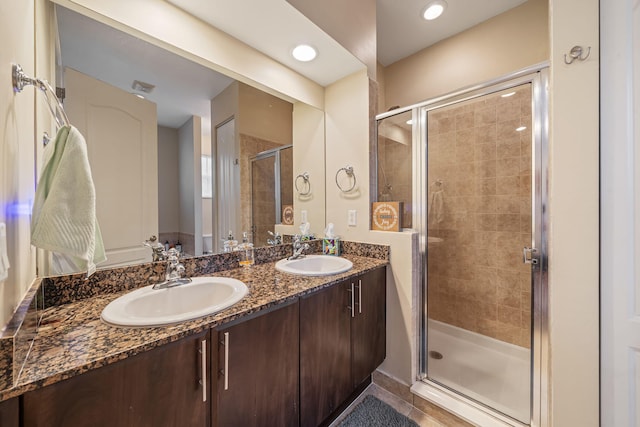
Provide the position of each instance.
(271, 190)
(227, 183)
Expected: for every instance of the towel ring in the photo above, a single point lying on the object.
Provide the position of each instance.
(307, 184)
(349, 171)
(19, 80)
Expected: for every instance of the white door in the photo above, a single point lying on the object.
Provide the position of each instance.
(121, 134)
(620, 212)
(227, 182)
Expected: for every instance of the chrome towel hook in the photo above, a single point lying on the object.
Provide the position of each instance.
(349, 171)
(306, 184)
(576, 52)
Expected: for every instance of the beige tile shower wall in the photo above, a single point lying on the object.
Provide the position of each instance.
(394, 175)
(250, 146)
(476, 278)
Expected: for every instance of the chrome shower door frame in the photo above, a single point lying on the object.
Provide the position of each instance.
(538, 77)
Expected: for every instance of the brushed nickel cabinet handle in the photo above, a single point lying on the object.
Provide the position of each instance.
(226, 360)
(360, 296)
(203, 361)
(352, 307)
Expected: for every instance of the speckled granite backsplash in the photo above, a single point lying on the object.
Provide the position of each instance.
(65, 289)
(17, 338)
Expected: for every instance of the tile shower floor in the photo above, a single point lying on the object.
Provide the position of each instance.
(422, 419)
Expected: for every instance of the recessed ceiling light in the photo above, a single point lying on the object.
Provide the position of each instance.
(304, 53)
(506, 95)
(521, 128)
(410, 122)
(139, 95)
(434, 9)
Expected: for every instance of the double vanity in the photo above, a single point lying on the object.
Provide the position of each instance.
(294, 350)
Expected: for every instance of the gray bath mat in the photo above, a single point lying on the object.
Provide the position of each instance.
(372, 412)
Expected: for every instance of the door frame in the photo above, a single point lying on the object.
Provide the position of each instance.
(222, 198)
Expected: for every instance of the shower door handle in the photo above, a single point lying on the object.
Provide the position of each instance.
(529, 256)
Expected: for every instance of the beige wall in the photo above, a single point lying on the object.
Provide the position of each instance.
(168, 181)
(190, 143)
(508, 42)
(308, 132)
(264, 116)
(19, 139)
(573, 215)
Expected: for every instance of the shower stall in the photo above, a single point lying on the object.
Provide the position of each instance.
(470, 169)
(271, 175)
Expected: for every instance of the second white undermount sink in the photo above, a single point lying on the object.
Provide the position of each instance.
(315, 265)
(153, 307)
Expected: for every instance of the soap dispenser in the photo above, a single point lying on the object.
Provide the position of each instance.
(245, 251)
(230, 244)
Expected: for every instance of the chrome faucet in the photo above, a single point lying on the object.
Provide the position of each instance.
(157, 249)
(277, 238)
(175, 270)
(298, 247)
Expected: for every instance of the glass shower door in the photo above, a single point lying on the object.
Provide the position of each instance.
(479, 219)
(271, 190)
(263, 200)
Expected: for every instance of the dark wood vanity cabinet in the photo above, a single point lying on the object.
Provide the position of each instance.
(165, 386)
(342, 341)
(10, 413)
(293, 364)
(257, 370)
(325, 353)
(368, 325)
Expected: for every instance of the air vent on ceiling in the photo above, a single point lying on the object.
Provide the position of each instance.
(143, 87)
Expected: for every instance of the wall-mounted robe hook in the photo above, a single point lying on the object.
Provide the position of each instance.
(577, 52)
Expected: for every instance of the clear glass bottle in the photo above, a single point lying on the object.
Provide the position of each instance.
(245, 252)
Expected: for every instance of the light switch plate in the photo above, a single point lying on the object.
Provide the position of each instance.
(352, 218)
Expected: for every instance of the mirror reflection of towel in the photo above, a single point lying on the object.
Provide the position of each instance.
(4, 256)
(436, 208)
(64, 209)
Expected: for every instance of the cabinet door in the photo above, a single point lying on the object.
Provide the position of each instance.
(9, 413)
(325, 353)
(160, 387)
(258, 366)
(368, 326)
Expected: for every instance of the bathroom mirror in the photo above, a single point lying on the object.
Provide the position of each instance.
(167, 173)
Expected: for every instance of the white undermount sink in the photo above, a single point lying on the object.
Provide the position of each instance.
(315, 265)
(151, 307)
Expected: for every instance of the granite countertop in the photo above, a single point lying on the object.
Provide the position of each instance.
(72, 339)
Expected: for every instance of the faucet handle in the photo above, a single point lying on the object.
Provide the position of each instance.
(152, 242)
(172, 254)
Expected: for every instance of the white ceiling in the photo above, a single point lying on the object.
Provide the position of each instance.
(183, 88)
(273, 27)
